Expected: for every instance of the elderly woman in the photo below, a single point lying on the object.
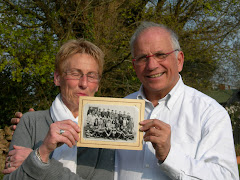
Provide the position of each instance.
(53, 133)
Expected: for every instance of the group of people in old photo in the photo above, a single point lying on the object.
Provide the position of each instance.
(108, 124)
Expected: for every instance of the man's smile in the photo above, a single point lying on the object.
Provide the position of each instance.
(155, 75)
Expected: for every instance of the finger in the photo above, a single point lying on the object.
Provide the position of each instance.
(71, 134)
(8, 170)
(16, 163)
(8, 159)
(19, 151)
(8, 165)
(12, 152)
(72, 124)
(53, 137)
(18, 114)
(70, 137)
(152, 132)
(15, 121)
(161, 140)
(31, 110)
(147, 124)
(152, 139)
(18, 147)
(155, 136)
(145, 121)
(13, 128)
(69, 140)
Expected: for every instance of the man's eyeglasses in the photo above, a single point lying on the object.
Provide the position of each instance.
(77, 75)
(159, 57)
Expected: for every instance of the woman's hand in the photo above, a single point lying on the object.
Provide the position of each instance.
(55, 139)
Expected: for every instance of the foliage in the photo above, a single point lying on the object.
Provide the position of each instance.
(234, 112)
(20, 97)
(237, 149)
(239, 169)
(230, 75)
(32, 31)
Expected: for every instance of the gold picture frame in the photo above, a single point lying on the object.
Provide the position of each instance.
(110, 122)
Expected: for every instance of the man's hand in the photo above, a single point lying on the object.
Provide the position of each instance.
(159, 134)
(15, 158)
(16, 119)
(55, 139)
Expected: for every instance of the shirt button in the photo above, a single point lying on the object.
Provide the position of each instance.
(147, 165)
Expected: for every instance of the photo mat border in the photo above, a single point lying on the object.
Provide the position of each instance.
(111, 144)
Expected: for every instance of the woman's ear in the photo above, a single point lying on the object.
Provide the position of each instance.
(56, 78)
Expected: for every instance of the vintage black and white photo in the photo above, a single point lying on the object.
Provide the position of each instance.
(110, 122)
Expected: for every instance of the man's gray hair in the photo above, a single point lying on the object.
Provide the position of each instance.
(146, 25)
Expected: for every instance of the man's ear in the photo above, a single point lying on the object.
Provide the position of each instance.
(180, 60)
(56, 78)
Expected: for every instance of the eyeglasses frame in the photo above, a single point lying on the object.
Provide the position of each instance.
(152, 55)
(82, 74)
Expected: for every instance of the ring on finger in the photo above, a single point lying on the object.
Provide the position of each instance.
(9, 165)
(61, 131)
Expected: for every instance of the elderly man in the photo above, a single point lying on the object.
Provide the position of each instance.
(188, 135)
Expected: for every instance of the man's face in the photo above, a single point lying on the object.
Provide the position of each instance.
(158, 78)
(72, 88)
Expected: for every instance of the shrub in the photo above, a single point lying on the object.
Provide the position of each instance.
(234, 113)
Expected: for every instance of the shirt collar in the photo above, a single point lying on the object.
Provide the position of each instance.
(170, 98)
(141, 94)
(175, 93)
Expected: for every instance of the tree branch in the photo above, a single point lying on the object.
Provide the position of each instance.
(116, 65)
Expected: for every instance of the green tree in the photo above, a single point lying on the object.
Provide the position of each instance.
(32, 31)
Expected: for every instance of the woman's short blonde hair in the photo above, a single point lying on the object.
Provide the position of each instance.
(73, 47)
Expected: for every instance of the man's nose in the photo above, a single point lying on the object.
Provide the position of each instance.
(151, 63)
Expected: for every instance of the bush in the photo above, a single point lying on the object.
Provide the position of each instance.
(237, 149)
(234, 113)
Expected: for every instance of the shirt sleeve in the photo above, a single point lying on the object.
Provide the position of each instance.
(33, 168)
(215, 157)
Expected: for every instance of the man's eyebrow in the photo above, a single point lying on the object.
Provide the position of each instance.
(141, 55)
(159, 52)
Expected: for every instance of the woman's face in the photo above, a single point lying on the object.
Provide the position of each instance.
(71, 87)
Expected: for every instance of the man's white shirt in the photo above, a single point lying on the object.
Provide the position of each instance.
(202, 144)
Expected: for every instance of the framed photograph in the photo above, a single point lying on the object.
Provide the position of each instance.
(110, 122)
